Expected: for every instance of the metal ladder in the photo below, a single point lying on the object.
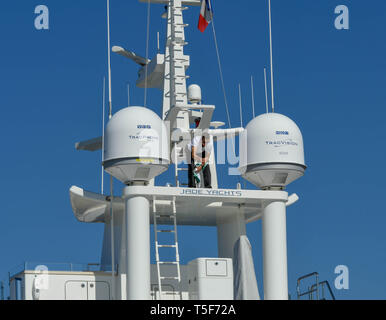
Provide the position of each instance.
(173, 218)
(177, 169)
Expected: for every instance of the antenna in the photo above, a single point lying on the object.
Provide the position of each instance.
(109, 58)
(111, 177)
(270, 49)
(147, 52)
(266, 92)
(241, 107)
(158, 50)
(128, 94)
(253, 97)
(103, 131)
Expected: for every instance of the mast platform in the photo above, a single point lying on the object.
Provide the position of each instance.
(195, 207)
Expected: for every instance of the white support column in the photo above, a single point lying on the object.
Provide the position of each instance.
(137, 247)
(229, 231)
(275, 252)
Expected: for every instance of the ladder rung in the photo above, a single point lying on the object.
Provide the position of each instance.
(166, 246)
(181, 8)
(170, 293)
(166, 231)
(182, 169)
(170, 278)
(180, 43)
(168, 262)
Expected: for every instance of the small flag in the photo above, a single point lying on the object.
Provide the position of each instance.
(206, 15)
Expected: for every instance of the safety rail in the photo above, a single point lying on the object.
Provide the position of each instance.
(317, 290)
(59, 266)
(322, 286)
(1, 290)
(310, 291)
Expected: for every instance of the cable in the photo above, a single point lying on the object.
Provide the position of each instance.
(223, 84)
(221, 73)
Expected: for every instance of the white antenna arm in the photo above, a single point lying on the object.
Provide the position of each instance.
(270, 47)
(130, 55)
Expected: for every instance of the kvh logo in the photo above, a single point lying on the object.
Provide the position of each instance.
(285, 133)
(144, 126)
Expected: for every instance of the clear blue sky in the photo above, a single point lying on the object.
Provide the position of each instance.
(330, 82)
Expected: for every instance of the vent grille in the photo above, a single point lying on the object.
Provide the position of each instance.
(280, 178)
(142, 173)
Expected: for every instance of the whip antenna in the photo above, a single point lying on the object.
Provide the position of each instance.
(266, 91)
(253, 97)
(109, 58)
(128, 94)
(270, 49)
(103, 130)
(111, 177)
(241, 106)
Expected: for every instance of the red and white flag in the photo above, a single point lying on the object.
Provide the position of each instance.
(206, 15)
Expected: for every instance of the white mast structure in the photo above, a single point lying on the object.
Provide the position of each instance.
(266, 161)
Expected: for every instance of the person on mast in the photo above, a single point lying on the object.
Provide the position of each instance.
(200, 149)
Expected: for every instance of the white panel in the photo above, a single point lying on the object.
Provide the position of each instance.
(218, 285)
(76, 290)
(216, 268)
(98, 290)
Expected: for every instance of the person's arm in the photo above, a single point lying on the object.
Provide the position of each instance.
(195, 156)
(206, 159)
(208, 151)
(198, 159)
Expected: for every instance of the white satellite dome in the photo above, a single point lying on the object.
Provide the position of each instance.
(194, 94)
(136, 145)
(271, 151)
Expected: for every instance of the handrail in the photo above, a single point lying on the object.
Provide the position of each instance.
(328, 287)
(62, 266)
(310, 291)
(1, 290)
(308, 276)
